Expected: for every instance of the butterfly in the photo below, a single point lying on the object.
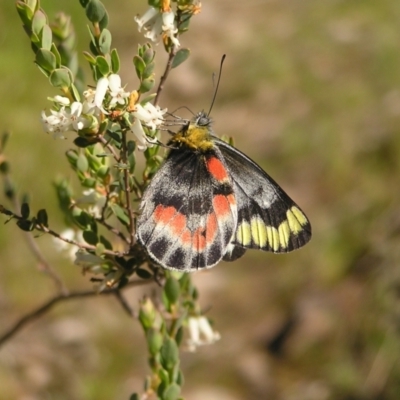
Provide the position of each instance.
(210, 202)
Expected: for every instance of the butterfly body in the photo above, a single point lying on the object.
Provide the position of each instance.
(209, 202)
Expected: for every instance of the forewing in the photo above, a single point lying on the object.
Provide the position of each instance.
(188, 214)
(268, 219)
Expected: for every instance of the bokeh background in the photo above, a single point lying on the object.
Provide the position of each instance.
(311, 91)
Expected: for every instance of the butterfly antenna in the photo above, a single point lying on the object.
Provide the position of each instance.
(216, 88)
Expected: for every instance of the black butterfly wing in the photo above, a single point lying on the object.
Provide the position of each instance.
(268, 219)
(188, 212)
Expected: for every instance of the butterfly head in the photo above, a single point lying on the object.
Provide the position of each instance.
(196, 134)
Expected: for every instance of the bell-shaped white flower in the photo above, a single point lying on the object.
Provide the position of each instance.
(200, 333)
(118, 94)
(148, 18)
(101, 90)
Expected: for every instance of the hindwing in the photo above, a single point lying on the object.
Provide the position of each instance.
(268, 219)
(188, 212)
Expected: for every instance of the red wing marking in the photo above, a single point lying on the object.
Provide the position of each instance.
(222, 204)
(216, 169)
(169, 216)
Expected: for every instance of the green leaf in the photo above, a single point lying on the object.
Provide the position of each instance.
(25, 210)
(82, 142)
(26, 225)
(172, 392)
(61, 77)
(181, 56)
(154, 341)
(46, 60)
(42, 217)
(89, 58)
(46, 37)
(148, 70)
(169, 354)
(90, 237)
(83, 2)
(105, 243)
(115, 62)
(139, 66)
(105, 41)
(172, 290)
(120, 213)
(38, 22)
(146, 85)
(104, 21)
(95, 11)
(56, 53)
(148, 55)
(25, 13)
(102, 66)
(134, 396)
(82, 163)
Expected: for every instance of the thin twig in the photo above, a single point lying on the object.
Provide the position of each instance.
(43, 265)
(127, 191)
(168, 68)
(45, 229)
(36, 313)
(112, 229)
(109, 147)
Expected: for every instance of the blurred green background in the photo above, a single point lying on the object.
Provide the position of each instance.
(311, 91)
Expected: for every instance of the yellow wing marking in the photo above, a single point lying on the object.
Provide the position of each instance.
(284, 234)
(259, 232)
(296, 220)
(243, 234)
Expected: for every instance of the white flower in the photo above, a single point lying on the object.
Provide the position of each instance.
(101, 90)
(89, 107)
(169, 27)
(65, 247)
(76, 121)
(200, 333)
(118, 95)
(150, 116)
(61, 100)
(57, 123)
(156, 23)
(148, 18)
(93, 200)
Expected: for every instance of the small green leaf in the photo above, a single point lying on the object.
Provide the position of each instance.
(82, 163)
(139, 66)
(146, 85)
(115, 62)
(26, 225)
(172, 290)
(181, 56)
(104, 21)
(82, 142)
(148, 55)
(46, 60)
(148, 70)
(46, 37)
(154, 341)
(25, 13)
(89, 58)
(42, 217)
(169, 354)
(103, 171)
(83, 2)
(120, 213)
(105, 41)
(102, 66)
(172, 392)
(105, 243)
(90, 237)
(38, 22)
(95, 11)
(56, 53)
(25, 210)
(61, 77)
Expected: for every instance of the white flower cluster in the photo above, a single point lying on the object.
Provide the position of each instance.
(157, 23)
(201, 333)
(109, 95)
